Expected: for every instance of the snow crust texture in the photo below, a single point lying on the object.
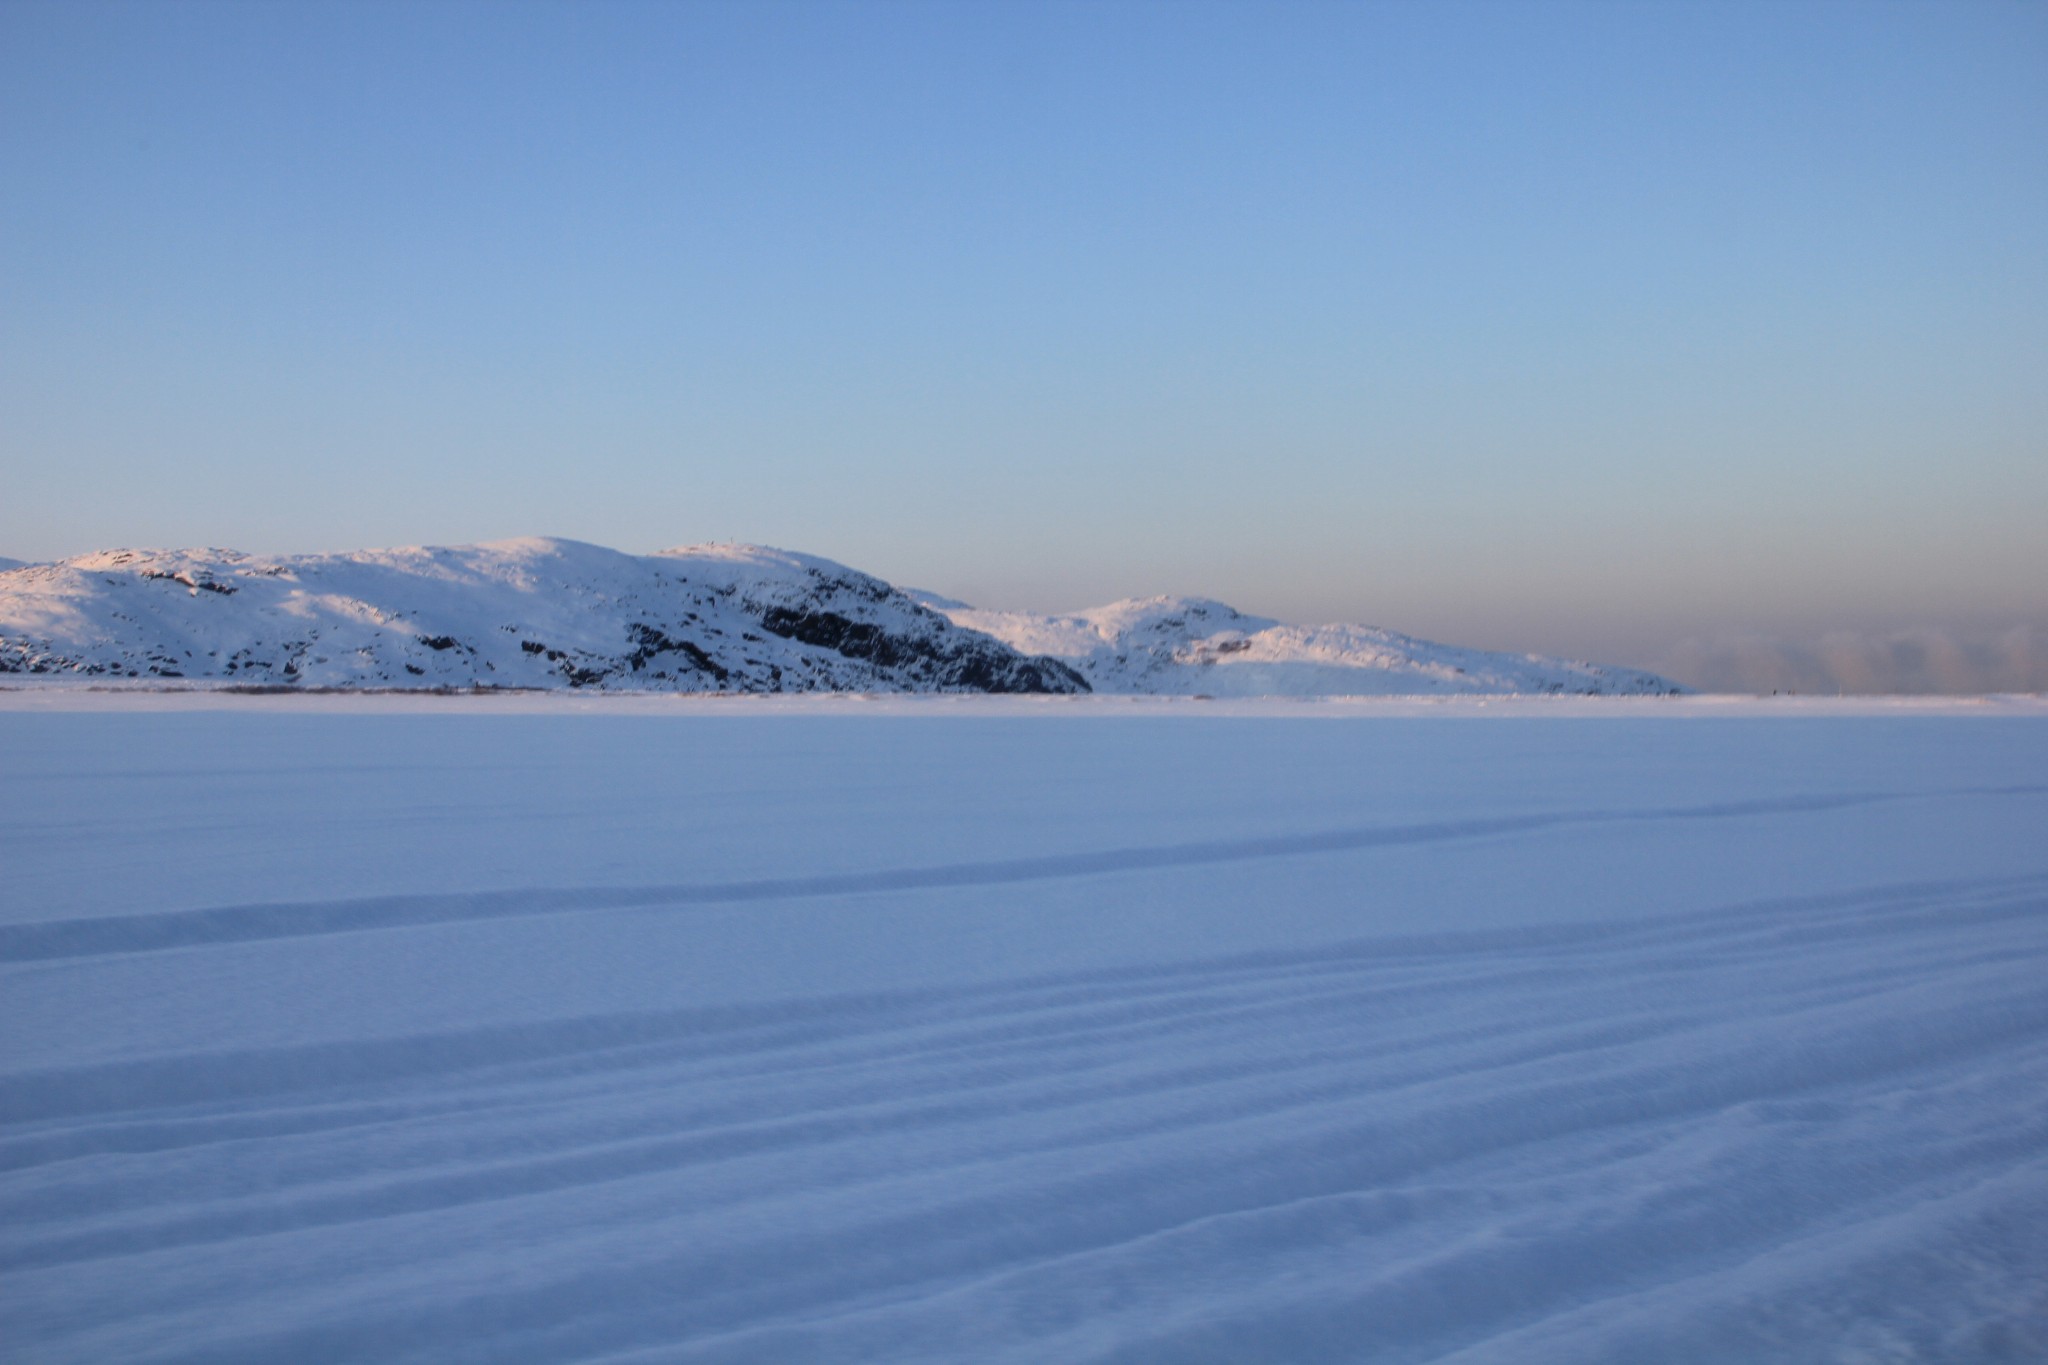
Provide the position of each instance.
(826, 1037)
(541, 613)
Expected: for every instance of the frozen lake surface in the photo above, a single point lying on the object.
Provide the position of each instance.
(550, 1029)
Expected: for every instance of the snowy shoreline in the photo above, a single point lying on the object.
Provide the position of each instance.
(86, 695)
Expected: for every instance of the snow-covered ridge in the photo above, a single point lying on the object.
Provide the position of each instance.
(533, 612)
(1195, 645)
(548, 613)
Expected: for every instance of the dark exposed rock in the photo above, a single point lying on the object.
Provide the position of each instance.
(972, 666)
(196, 582)
(651, 641)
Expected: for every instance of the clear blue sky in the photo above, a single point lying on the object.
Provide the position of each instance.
(1553, 326)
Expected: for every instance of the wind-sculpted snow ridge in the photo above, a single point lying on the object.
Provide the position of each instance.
(533, 613)
(1193, 645)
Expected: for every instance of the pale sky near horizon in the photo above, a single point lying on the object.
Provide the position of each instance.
(1585, 328)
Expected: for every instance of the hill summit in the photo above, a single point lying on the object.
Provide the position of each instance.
(548, 613)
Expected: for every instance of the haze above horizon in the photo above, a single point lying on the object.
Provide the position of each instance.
(1603, 331)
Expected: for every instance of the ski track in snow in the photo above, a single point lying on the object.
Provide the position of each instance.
(88, 937)
(1799, 1128)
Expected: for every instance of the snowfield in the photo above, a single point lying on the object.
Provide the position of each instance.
(652, 1028)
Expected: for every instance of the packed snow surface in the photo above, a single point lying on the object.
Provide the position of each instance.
(543, 613)
(944, 1029)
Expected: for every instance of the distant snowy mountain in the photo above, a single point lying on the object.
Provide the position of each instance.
(1195, 646)
(517, 613)
(709, 618)
(6, 563)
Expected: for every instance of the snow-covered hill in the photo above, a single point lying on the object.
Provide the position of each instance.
(727, 618)
(516, 613)
(1195, 646)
